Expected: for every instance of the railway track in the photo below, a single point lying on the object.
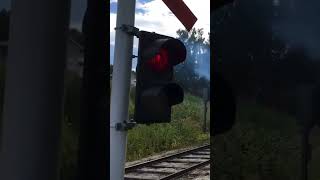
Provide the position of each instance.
(170, 167)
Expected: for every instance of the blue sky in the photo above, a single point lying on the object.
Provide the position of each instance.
(153, 15)
(113, 6)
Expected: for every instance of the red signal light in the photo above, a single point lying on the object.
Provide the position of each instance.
(159, 62)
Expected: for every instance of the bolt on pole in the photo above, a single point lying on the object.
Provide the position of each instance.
(120, 88)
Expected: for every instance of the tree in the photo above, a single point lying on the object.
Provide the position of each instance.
(258, 65)
(190, 73)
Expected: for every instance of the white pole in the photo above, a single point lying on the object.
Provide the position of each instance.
(120, 88)
(33, 102)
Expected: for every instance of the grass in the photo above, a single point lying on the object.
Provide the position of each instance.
(69, 150)
(184, 130)
(264, 144)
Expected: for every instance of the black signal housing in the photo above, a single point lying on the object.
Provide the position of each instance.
(156, 91)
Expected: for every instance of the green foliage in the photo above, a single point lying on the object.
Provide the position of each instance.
(69, 150)
(72, 98)
(70, 125)
(263, 145)
(184, 130)
(131, 102)
(132, 94)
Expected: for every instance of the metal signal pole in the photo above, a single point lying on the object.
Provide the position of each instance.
(120, 88)
(33, 102)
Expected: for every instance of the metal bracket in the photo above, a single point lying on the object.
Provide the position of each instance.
(131, 30)
(125, 126)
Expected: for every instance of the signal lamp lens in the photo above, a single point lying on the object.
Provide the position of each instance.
(176, 51)
(160, 62)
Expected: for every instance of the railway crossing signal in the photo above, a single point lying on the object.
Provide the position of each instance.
(155, 90)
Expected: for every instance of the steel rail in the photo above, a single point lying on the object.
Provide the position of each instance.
(185, 171)
(143, 164)
(178, 156)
